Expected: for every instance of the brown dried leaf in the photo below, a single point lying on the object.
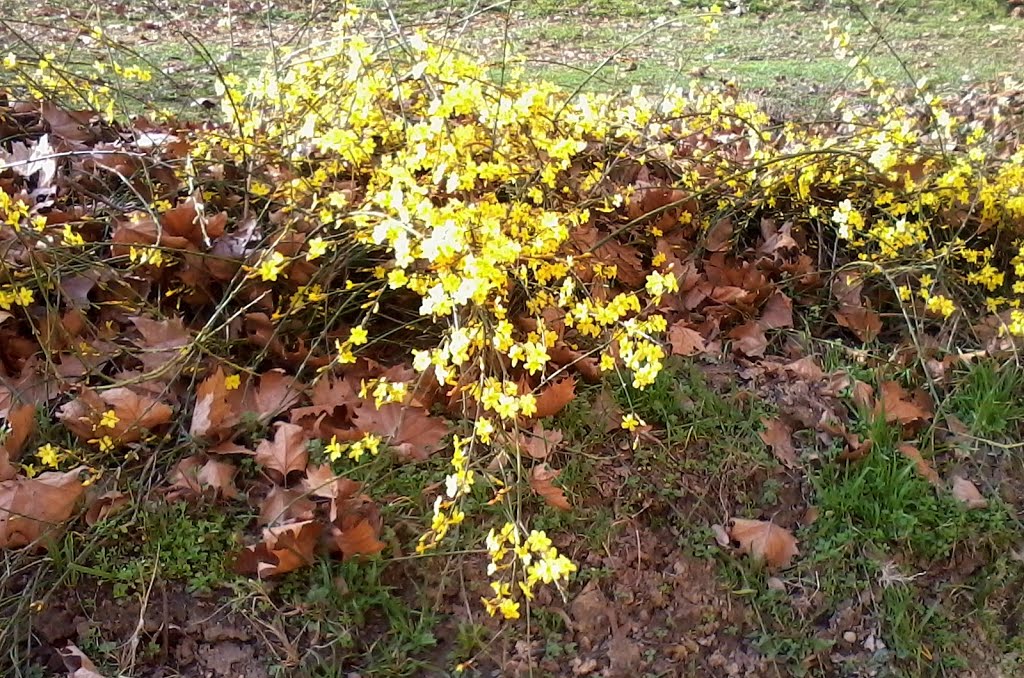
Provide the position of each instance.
(863, 395)
(276, 393)
(104, 506)
(212, 413)
(410, 430)
(750, 339)
(967, 492)
(77, 663)
(287, 452)
(361, 539)
(284, 548)
(777, 312)
(778, 436)
(555, 397)
(541, 481)
(321, 481)
(136, 413)
(191, 477)
(764, 540)
(29, 507)
(283, 505)
(162, 341)
(863, 322)
(22, 422)
(923, 467)
(540, 443)
(685, 340)
(7, 470)
(898, 406)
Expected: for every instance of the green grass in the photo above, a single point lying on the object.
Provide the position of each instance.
(988, 399)
(886, 536)
(176, 542)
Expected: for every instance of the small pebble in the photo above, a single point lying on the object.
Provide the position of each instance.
(850, 637)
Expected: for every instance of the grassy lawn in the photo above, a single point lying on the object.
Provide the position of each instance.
(895, 575)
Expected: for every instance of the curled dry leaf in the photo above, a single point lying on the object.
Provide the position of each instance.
(212, 414)
(863, 395)
(286, 453)
(967, 492)
(764, 541)
(284, 548)
(31, 506)
(104, 506)
(778, 436)
(276, 393)
(777, 312)
(721, 535)
(552, 399)
(77, 663)
(541, 481)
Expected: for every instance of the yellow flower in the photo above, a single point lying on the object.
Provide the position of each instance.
(358, 337)
(108, 420)
(49, 455)
(271, 267)
(334, 449)
(509, 608)
(317, 248)
(232, 381)
(483, 428)
(630, 422)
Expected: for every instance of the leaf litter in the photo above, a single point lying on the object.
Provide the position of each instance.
(732, 307)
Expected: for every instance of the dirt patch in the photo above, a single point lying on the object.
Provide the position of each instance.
(174, 634)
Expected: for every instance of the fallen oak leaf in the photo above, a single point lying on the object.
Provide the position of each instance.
(541, 482)
(29, 507)
(764, 541)
(967, 492)
(778, 436)
(286, 453)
